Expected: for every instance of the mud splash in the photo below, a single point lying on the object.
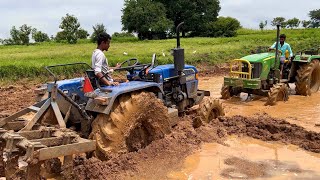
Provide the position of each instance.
(249, 158)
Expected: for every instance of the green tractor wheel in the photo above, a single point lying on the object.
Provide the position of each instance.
(225, 92)
(308, 78)
(279, 92)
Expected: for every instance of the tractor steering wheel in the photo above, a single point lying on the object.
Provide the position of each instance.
(128, 64)
(279, 51)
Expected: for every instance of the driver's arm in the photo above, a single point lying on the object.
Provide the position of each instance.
(273, 46)
(105, 81)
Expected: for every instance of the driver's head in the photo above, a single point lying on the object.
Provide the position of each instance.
(103, 41)
(282, 38)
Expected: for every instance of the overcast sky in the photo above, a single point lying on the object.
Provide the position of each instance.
(45, 15)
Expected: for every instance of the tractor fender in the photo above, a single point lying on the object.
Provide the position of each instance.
(109, 94)
(305, 59)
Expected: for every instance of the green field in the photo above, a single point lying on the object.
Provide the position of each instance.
(29, 61)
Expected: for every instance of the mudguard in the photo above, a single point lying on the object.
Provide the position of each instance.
(111, 93)
(305, 58)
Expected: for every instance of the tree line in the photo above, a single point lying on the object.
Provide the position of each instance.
(314, 21)
(71, 32)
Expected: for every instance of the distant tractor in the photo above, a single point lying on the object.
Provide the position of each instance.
(269, 74)
(109, 119)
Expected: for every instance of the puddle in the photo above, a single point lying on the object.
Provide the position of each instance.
(300, 110)
(247, 158)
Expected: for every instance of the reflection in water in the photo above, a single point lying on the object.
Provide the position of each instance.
(248, 158)
(300, 110)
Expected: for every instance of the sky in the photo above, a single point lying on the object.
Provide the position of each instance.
(45, 15)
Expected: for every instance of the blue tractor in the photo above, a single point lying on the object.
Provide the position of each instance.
(130, 116)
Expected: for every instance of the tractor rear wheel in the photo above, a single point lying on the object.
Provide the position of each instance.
(210, 109)
(308, 78)
(279, 92)
(225, 92)
(135, 121)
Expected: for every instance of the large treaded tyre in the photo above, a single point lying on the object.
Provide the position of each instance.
(279, 92)
(225, 92)
(136, 120)
(308, 78)
(210, 109)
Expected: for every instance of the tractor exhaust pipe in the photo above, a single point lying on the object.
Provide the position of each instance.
(277, 46)
(178, 54)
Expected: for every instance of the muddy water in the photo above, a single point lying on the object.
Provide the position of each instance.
(304, 111)
(247, 158)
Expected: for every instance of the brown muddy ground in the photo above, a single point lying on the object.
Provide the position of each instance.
(16, 97)
(289, 123)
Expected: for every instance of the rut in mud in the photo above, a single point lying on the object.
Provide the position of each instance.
(164, 155)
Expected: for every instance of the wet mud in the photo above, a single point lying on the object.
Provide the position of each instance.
(167, 153)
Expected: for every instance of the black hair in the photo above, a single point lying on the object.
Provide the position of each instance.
(103, 37)
(283, 36)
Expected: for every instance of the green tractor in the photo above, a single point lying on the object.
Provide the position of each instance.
(269, 74)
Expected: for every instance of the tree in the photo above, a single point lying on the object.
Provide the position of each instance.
(70, 26)
(279, 20)
(315, 18)
(262, 25)
(97, 29)
(196, 14)
(293, 23)
(39, 36)
(19, 36)
(223, 27)
(147, 18)
(82, 34)
(25, 32)
(305, 23)
(122, 34)
(61, 35)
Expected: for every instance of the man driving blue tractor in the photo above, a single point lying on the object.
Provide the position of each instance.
(100, 62)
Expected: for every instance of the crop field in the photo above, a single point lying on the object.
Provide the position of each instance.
(29, 61)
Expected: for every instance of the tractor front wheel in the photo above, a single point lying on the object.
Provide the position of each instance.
(308, 78)
(225, 92)
(279, 92)
(135, 121)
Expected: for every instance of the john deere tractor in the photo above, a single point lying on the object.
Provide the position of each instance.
(269, 74)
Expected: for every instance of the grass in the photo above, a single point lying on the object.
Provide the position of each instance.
(29, 61)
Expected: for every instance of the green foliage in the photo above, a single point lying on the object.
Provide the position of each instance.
(39, 36)
(61, 36)
(29, 61)
(305, 23)
(147, 18)
(19, 36)
(82, 34)
(315, 18)
(279, 20)
(122, 34)
(293, 23)
(196, 14)
(223, 27)
(70, 26)
(97, 29)
(262, 25)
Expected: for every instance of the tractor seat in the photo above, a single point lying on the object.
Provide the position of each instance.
(92, 77)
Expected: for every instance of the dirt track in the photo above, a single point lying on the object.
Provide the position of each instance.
(164, 156)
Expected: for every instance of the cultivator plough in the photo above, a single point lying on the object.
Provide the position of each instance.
(36, 135)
